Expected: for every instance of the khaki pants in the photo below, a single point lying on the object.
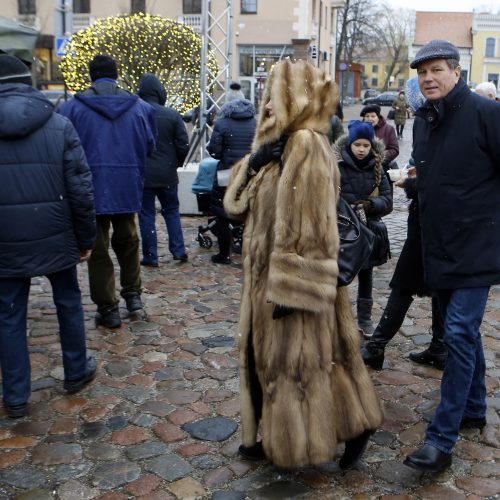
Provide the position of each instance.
(125, 244)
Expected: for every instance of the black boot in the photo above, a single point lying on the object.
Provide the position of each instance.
(435, 355)
(354, 449)
(224, 242)
(394, 314)
(364, 310)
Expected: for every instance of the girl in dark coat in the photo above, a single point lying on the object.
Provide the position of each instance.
(407, 281)
(364, 185)
(231, 140)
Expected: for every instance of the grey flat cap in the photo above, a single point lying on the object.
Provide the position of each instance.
(435, 49)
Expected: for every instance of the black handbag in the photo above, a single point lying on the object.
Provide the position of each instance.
(391, 114)
(381, 252)
(356, 243)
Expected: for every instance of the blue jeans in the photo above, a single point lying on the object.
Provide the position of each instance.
(463, 388)
(14, 357)
(170, 211)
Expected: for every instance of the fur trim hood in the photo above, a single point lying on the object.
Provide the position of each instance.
(303, 97)
(238, 109)
(378, 147)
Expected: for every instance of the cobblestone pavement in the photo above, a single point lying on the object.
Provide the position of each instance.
(161, 419)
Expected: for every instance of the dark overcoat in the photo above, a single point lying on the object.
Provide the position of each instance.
(457, 155)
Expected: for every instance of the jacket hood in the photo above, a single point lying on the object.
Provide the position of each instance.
(378, 147)
(303, 97)
(151, 89)
(110, 106)
(23, 110)
(239, 109)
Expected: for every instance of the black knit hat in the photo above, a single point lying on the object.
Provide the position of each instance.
(435, 49)
(370, 108)
(13, 70)
(103, 67)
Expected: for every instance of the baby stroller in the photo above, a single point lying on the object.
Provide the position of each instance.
(202, 187)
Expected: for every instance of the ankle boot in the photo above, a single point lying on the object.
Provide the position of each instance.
(373, 356)
(364, 310)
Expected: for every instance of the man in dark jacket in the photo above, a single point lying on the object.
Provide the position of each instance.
(456, 147)
(47, 226)
(117, 130)
(162, 180)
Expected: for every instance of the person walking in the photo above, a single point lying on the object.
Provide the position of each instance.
(456, 147)
(400, 106)
(300, 366)
(364, 186)
(407, 281)
(47, 226)
(161, 180)
(117, 130)
(231, 140)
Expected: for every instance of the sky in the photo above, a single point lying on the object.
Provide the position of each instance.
(446, 5)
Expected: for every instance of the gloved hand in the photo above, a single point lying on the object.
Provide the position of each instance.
(282, 311)
(267, 153)
(366, 204)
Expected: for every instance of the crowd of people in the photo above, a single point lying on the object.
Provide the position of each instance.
(66, 195)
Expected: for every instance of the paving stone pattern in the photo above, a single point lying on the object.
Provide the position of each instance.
(161, 420)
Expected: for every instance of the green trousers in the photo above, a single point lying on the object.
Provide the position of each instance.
(125, 244)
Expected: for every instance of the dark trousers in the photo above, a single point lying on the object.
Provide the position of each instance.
(125, 244)
(14, 357)
(365, 283)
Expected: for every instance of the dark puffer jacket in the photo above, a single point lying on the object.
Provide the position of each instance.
(46, 200)
(233, 133)
(172, 144)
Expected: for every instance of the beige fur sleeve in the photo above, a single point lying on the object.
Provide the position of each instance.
(303, 268)
(236, 197)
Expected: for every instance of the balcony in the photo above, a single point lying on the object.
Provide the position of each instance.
(192, 20)
(31, 20)
(82, 21)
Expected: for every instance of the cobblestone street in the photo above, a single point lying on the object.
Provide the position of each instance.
(161, 420)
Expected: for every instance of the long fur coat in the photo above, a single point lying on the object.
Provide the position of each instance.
(302, 376)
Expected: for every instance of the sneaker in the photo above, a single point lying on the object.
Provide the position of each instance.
(181, 258)
(221, 259)
(73, 386)
(133, 302)
(110, 319)
(147, 263)
(17, 411)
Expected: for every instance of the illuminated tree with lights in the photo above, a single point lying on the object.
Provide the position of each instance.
(141, 43)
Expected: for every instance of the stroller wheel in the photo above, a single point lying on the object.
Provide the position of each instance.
(204, 241)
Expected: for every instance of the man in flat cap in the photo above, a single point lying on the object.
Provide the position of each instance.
(456, 147)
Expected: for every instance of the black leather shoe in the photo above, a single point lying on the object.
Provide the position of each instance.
(133, 302)
(221, 259)
(181, 258)
(17, 411)
(373, 357)
(472, 422)
(427, 358)
(110, 319)
(255, 452)
(428, 459)
(72, 386)
(354, 448)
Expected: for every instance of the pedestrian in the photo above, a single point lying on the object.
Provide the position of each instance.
(231, 140)
(400, 106)
(161, 179)
(47, 226)
(302, 377)
(486, 89)
(234, 92)
(407, 281)
(364, 186)
(117, 130)
(384, 131)
(456, 147)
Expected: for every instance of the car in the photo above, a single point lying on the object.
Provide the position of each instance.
(370, 93)
(384, 99)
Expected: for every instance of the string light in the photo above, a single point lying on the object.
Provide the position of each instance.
(141, 43)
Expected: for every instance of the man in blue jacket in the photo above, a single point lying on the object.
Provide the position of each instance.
(117, 130)
(456, 147)
(47, 226)
(162, 180)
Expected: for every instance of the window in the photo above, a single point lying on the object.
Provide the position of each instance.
(249, 6)
(191, 6)
(490, 47)
(401, 83)
(81, 6)
(137, 6)
(493, 78)
(464, 74)
(26, 6)
(374, 68)
(374, 82)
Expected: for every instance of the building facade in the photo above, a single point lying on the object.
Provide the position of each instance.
(485, 66)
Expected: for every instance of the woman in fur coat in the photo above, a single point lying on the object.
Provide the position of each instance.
(302, 376)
